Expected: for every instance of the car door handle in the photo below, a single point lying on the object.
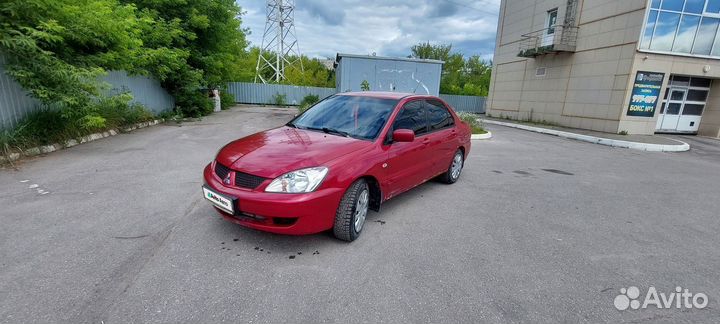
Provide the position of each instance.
(426, 141)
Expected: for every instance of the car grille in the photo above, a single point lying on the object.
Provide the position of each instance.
(242, 179)
(221, 170)
(249, 181)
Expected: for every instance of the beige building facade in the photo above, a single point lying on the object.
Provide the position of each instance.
(616, 66)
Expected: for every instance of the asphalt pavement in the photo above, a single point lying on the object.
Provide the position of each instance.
(537, 229)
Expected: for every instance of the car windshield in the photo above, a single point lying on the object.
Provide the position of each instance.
(351, 116)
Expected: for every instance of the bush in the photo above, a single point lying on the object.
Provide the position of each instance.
(279, 99)
(9, 141)
(310, 100)
(226, 100)
(119, 111)
(194, 104)
(50, 126)
(169, 115)
(471, 119)
(365, 85)
(42, 127)
(57, 49)
(307, 102)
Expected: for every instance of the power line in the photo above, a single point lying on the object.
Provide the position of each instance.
(474, 8)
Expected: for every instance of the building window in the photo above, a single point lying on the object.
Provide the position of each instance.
(682, 26)
(551, 20)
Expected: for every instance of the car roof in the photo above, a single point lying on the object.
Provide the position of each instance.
(383, 94)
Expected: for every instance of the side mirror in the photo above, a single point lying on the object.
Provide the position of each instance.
(403, 135)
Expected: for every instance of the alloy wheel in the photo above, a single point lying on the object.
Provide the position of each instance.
(361, 209)
(457, 165)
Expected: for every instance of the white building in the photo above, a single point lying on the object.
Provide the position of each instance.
(633, 66)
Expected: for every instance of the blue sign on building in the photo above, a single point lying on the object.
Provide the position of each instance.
(645, 94)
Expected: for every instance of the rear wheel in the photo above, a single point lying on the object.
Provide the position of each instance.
(453, 172)
(353, 209)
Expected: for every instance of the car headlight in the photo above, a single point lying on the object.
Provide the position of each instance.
(304, 180)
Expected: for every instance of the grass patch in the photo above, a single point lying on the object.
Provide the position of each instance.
(279, 99)
(471, 119)
(40, 127)
(539, 123)
(51, 126)
(119, 112)
(477, 129)
(528, 121)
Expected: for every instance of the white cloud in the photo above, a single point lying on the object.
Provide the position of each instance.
(326, 27)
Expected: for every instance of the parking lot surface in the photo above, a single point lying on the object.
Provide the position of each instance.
(537, 229)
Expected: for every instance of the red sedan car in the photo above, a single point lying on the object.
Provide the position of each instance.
(325, 168)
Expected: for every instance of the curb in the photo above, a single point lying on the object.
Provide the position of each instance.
(682, 147)
(73, 142)
(485, 136)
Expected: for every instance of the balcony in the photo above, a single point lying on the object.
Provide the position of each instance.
(549, 40)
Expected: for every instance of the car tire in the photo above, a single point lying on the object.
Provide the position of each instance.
(455, 169)
(352, 212)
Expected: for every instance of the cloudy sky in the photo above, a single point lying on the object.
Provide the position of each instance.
(388, 28)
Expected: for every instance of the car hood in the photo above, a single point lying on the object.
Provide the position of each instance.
(277, 151)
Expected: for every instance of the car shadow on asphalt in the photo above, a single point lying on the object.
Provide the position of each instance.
(231, 234)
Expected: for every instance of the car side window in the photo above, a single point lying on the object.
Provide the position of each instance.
(412, 116)
(438, 115)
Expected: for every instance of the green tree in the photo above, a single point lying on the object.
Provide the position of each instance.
(206, 34)
(478, 73)
(244, 70)
(314, 72)
(56, 49)
(461, 76)
(431, 52)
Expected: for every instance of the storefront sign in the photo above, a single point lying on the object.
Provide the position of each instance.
(645, 94)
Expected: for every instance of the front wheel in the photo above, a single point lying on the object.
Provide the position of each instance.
(353, 209)
(453, 172)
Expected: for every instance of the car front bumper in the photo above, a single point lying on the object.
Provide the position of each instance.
(294, 214)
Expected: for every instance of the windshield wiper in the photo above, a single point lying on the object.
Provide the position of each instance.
(335, 132)
(293, 125)
(328, 130)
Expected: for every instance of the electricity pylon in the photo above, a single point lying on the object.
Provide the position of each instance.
(279, 39)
